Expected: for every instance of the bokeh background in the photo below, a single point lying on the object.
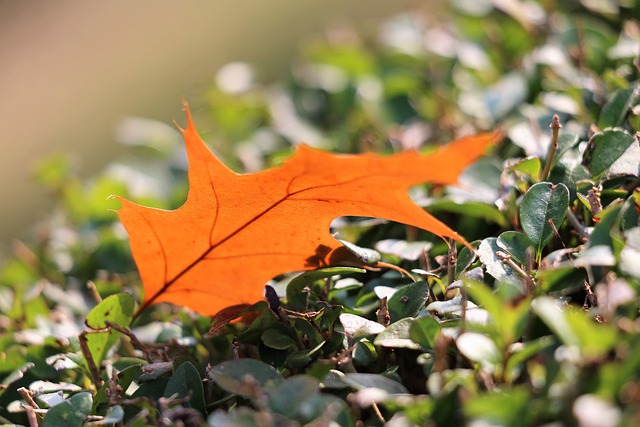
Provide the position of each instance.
(71, 71)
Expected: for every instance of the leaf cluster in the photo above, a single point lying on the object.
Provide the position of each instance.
(539, 325)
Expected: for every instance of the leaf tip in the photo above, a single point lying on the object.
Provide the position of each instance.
(187, 112)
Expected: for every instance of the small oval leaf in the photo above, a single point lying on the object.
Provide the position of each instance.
(515, 244)
(407, 301)
(116, 309)
(543, 202)
(185, 382)
(241, 376)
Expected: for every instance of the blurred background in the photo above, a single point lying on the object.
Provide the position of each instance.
(71, 71)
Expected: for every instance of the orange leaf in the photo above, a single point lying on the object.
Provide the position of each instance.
(237, 231)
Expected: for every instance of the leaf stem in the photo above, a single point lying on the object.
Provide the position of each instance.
(555, 128)
(505, 258)
(575, 222)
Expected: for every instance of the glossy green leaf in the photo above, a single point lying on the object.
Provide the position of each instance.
(424, 330)
(277, 338)
(357, 326)
(488, 253)
(398, 335)
(529, 165)
(613, 151)
(543, 202)
(186, 382)
(515, 244)
(69, 413)
(116, 309)
(465, 258)
(408, 300)
(617, 107)
(288, 397)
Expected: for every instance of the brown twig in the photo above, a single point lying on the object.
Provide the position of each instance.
(31, 416)
(27, 395)
(452, 255)
(577, 225)
(93, 368)
(148, 352)
(555, 128)
(400, 270)
(505, 258)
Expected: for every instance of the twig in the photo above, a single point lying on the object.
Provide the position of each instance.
(556, 232)
(93, 368)
(400, 270)
(580, 229)
(91, 286)
(451, 261)
(505, 258)
(555, 128)
(31, 416)
(27, 395)
(376, 411)
(136, 342)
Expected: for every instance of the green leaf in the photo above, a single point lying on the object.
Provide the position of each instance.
(397, 335)
(487, 251)
(529, 165)
(301, 358)
(277, 338)
(613, 151)
(543, 202)
(185, 382)
(114, 415)
(358, 327)
(617, 107)
(465, 258)
(515, 244)
(117, 309)
(288, 397)
(69, 413)
(243, 375)
(601, 233)
(424, 330)
(408, 300)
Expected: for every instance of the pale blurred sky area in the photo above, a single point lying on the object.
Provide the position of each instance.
(70, 70)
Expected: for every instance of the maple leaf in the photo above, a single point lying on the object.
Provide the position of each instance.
(237, 231)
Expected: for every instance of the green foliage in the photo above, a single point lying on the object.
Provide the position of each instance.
(538, 325)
